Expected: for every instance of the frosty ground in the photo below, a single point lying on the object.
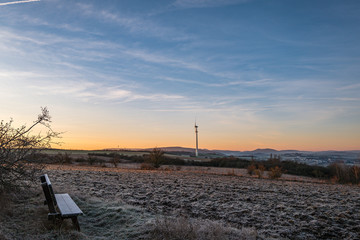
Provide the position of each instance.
(130, 204)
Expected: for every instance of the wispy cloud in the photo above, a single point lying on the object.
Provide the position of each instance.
(220, 84)
(97, 50)
(97, 92)
(205, 3)
(135, 24)
(163, 59)
(17, 2)
(350, 87)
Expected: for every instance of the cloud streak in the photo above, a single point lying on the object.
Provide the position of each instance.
(18, 2)
(135, 24)
(220, 84)
(205, 3)
(95, 92)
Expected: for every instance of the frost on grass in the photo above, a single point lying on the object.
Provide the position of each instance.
(113, 220)
(26, 218)
(123, 205)
(184, 228)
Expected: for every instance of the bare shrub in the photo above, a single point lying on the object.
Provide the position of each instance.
(257, 169)
(146, 166)
(168, 228)
(67, 158)
(260, 171)
(251, 169)
(92, 160)
(63, 158)
(190, 229)
(355, 174)
(17, 145)
(345, 174)
(275, 172)
(115, 160)
(80, 160)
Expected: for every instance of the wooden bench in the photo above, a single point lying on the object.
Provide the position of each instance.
(61, 206)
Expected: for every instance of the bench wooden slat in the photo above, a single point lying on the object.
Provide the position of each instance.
(49, 200)
(67, 206)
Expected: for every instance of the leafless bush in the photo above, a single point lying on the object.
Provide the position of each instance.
(275, 172)
(345, 174)
(354, 172)
(92, 160)
(146, 166)
(115, 160)
(257, 169)
(17, 145)
(63, 158)
(260, 171)
(251, 169)
(80, 160)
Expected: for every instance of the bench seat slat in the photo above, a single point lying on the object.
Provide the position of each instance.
(67, 206)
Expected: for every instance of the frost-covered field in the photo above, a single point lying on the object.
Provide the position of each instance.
(274, 208)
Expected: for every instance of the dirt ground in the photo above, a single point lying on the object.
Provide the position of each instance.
(127, 201)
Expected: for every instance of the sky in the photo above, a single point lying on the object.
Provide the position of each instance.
(132, 74)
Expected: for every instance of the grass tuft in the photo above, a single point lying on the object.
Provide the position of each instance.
(181, 228)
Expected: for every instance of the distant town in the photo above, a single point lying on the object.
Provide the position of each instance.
(321, 158)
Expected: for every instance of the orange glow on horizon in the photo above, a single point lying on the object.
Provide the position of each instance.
(101, 143)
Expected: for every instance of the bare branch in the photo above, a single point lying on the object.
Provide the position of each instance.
(17, 145)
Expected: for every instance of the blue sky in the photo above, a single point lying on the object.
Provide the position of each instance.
(280, 74)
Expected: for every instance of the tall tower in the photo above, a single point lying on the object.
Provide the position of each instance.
(197, 145)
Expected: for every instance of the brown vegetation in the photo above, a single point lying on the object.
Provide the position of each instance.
(131, 204)
(275, 172)
(17, 146)
(170, 228)
(345, 174)
(156, 157)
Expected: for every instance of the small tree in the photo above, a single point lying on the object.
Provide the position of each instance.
(156, 157)
(17, 145)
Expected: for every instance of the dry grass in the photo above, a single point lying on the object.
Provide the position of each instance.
(123, 204)
(23, 216)
(191, 229)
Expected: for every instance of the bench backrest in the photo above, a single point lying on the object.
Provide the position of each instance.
(49, 193)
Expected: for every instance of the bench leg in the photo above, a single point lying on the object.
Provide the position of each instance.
(76, 223)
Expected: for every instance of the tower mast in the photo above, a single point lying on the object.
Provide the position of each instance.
(197, 145)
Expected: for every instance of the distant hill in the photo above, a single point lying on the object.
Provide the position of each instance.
(259, 151)
(322, 158)
(182, 149)
(264, 150)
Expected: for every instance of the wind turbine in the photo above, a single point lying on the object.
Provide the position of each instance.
(197, 145)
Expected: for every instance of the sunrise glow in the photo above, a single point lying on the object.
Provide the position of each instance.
(136, 74)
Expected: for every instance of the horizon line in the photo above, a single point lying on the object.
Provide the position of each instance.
(204, 149)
